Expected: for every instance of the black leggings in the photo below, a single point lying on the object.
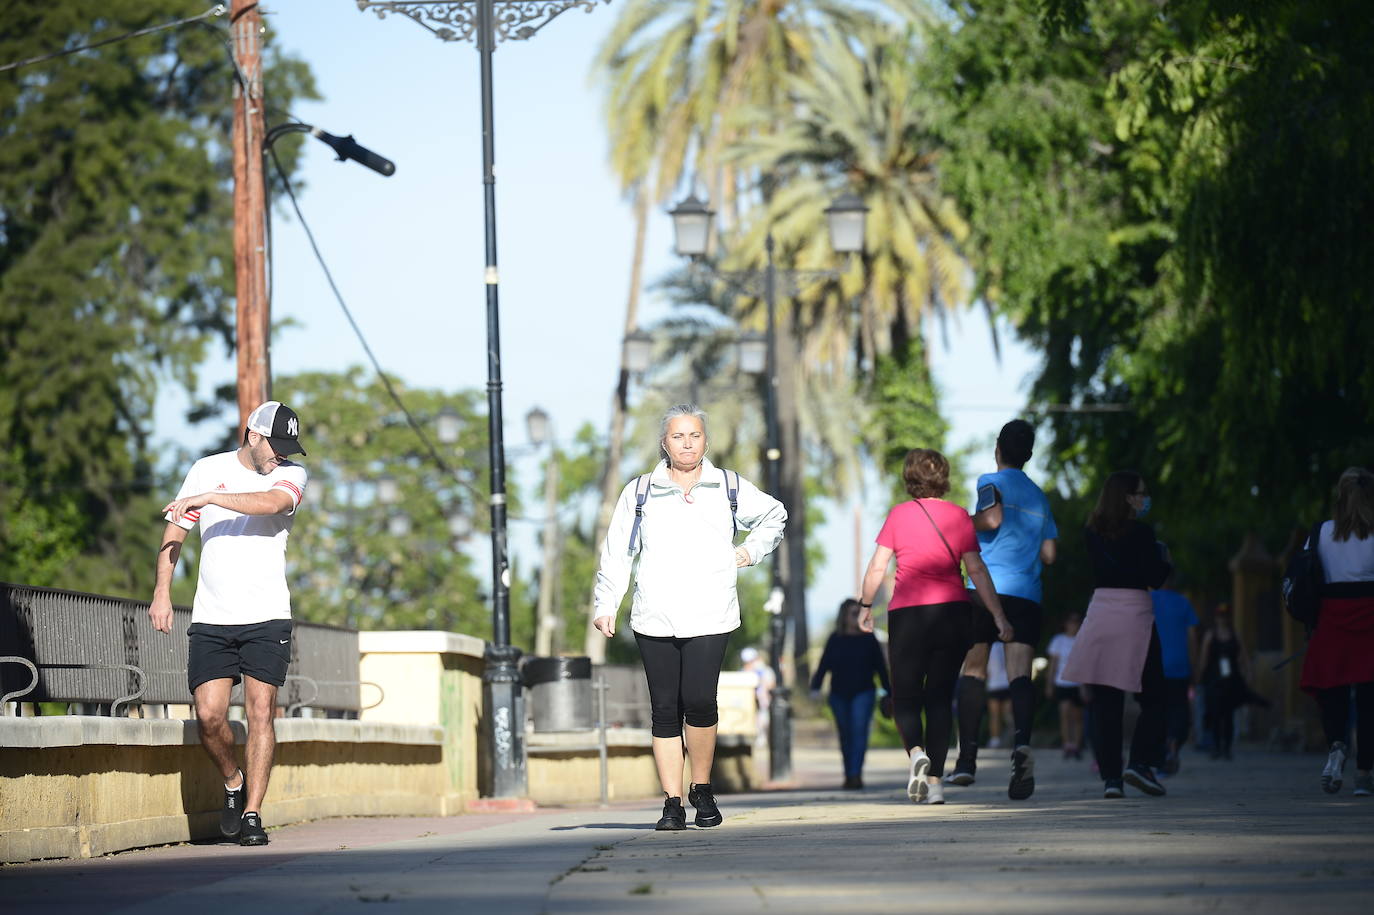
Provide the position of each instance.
(927, 644)
(1335, 706)
(683, 676)
(1109, 705)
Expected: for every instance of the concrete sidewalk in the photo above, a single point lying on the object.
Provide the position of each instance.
(1254, 835)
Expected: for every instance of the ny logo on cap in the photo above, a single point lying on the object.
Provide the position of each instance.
(293, 427)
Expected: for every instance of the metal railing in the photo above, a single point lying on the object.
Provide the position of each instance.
(101, 650)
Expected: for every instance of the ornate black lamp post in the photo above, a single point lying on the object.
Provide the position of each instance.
(692, 232)
(483, 22)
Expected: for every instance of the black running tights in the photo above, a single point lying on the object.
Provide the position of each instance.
(1335, 706)
(927, 645)
(1108, 707)
(683, 676)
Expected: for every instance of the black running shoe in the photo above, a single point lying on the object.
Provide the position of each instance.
(674, 816)
(1111, 788)
(231, 816)
(704, 800)
(1022, 774)
(251, 832)
(1142, 778)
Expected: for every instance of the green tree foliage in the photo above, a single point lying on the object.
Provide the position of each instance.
(1169, 201)
(116, 271)
(356, 559)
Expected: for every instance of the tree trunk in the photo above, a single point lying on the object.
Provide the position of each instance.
(611, 483)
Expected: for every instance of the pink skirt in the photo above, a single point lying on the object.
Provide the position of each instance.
(1111, 646)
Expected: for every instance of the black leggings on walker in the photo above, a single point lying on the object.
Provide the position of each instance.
(927, 644)
(683, 676)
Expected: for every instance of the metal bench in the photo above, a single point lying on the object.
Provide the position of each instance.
(102, 654)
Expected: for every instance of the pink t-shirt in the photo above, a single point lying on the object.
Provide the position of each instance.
(925, 572)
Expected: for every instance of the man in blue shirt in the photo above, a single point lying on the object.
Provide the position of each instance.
(1017, 533)
(1175, 619)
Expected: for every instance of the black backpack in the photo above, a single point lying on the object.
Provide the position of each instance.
(1303, 580)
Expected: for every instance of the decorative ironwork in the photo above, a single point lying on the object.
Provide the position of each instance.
(754, 282)
(456, 20)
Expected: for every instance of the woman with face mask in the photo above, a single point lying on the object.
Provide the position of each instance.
(1117, 649)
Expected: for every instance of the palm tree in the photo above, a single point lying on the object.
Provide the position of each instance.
(678, 73)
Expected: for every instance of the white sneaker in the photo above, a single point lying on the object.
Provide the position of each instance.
(935, 794)
(1335, 766)
(917, 785)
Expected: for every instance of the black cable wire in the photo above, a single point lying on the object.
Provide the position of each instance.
(376, 366)
(216, 10)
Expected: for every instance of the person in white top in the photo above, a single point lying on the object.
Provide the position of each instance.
(681, 520)
(1067, 692)
(245, 502)
(1340, 653)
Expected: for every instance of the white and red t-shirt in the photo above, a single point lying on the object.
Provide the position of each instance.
(243, 557)
(926, 572)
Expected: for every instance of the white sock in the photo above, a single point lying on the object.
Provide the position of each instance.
(241, 781)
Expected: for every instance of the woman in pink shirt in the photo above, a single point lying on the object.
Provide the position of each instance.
(930, 620)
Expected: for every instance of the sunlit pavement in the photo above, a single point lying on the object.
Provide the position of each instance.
(1255, 835)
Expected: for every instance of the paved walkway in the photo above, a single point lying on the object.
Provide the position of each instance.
(1254, 835)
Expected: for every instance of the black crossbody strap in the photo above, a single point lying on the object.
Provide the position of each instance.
(941, 533)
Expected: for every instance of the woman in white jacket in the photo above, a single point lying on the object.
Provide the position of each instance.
(681, 520)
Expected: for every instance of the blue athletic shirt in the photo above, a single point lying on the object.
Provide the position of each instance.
(1174, 614)
(1012, 552)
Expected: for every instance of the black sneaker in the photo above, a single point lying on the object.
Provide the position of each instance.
(251, 832)
(1142, 778)
(1111, 788)
(674, 816)
(964, 773)
(1022, 774)
(231, 816)
(704, 800)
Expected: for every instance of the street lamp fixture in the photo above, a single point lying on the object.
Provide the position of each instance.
(480, 22)
(753, 353)
(846, 218)
(691, 227)
(447, 425)
(537, 426)
(639, 351)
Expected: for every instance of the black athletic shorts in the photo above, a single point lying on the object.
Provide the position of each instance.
(259, 650)
(1024, 616)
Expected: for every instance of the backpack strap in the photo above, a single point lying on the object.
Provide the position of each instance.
(641, 494)
(733, 494)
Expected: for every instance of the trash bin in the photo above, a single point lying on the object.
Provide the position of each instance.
(560, 693)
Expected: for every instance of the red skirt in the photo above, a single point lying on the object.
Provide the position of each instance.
(1341, 651)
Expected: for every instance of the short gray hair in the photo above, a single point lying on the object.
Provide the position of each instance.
(672, 413)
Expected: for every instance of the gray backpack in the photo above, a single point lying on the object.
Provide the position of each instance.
(642, 496)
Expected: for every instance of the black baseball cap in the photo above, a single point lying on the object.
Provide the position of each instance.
(280, 425)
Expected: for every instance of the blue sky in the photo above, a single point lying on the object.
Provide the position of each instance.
(407, 251)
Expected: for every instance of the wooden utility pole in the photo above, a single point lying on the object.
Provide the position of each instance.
(250, 212)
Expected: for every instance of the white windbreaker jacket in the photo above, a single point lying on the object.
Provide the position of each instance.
(685, 583)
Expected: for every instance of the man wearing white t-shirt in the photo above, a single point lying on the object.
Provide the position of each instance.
(245, 502)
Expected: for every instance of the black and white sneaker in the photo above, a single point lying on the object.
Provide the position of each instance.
(1334, 772)
(963, 774)
(1112, 788)
(1022, 783)
(1143, 779)
(251, 832)
(231, 816)
(704, 800)
(674, 816)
